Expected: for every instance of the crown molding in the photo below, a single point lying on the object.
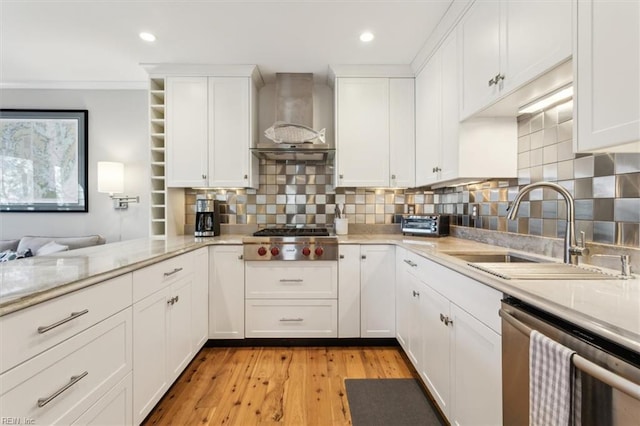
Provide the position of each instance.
(76, 85)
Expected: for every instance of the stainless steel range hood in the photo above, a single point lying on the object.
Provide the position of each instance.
(294, 104)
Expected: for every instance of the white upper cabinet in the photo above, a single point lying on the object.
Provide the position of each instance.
(186, 131)
(210, 128)
(447, 151)
(362, 132)
(505, 44)
(607, 76)
(375, 136)
(402, 141)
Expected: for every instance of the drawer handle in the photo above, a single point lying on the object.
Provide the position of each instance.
(291, 319)
(295, 280)
(74, 379)
(74, 315)
(173, 300)
(410, 263)
(175, 271)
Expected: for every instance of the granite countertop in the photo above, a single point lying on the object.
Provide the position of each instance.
(610, 308)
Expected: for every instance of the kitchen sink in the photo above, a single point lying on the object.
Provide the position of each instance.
(492, 257)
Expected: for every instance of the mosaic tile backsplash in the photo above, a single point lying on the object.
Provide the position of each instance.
(606, 188)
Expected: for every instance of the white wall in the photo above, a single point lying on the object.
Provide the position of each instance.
(118, 129)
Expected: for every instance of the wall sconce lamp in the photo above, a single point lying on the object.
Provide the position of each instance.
(111, 181)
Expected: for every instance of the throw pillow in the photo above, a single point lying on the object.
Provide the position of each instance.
(51, 247)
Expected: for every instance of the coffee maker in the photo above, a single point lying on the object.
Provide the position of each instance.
(207, 218)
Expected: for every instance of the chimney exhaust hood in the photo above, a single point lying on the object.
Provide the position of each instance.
(294, 106)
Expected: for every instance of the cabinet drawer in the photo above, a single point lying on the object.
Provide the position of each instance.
(291, 318)
(56, 379)
(156, 277)
(21, 339)
(305, 279)
(115, 408)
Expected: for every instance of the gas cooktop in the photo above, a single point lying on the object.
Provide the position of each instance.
(292, 232)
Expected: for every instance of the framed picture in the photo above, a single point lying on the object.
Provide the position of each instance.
(43, 160)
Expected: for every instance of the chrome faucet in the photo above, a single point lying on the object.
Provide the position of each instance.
(571, 249)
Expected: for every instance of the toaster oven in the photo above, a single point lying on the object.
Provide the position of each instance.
(427, 225)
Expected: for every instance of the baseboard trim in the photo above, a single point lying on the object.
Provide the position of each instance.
(282, 342)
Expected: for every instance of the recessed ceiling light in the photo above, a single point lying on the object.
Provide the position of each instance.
(366, 36)
(147, 37)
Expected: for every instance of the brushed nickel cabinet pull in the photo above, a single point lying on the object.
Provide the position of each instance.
(416, 293)
(393, 176)
(291, 319)
(294, 280)
(363, 257)
(74, 315)
(175, 271)
(74, 379)
(241, 257)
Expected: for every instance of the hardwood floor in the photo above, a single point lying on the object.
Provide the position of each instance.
(273, 385)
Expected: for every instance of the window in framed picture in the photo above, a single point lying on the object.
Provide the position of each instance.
(43, 160)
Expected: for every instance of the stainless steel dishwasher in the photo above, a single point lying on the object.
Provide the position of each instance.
(610, 373)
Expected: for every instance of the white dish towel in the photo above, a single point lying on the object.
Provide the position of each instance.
(554, 384)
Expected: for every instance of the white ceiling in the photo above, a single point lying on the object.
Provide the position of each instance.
(59, 41)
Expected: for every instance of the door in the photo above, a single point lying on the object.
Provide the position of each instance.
(428, 121)
(402, 142)
(179, 349)
(150, 345)
(436, 359)
(402, 298)
(186, 131)
(537, 36)
(377, 291)
(608, 75)
(226, 293)
(477, 371)
(349, 291)
(362, 145)
(229, 131)
(479, 33)
(200, 300)
(415, 320)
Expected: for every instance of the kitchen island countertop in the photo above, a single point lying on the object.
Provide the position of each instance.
(609, 308)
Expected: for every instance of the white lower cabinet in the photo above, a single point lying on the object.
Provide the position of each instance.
(226, 292)
(115, 408)
(291, 318)
(377, 291)
(349, 291)
(286, 300)
(163, 327)
(449, 327)
(59, 385)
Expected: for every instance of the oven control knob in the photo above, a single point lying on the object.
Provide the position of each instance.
(306, 251)
(275, 251)
(262, 251)
(319, 251)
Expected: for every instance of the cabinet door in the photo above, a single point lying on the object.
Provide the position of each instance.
(402, 298)
(226, 293)
(186, 131)
(415, 320)
(477, 371)
(377, 291)
(607, 75)
(479, 33)
(229, 131)
(436, 357)
(402, 142)
(349, 291)
(537, 36)
(180, 349)
(428, 121)
(200, 300)
(450, 81)
(150, 344)
(362, 120)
